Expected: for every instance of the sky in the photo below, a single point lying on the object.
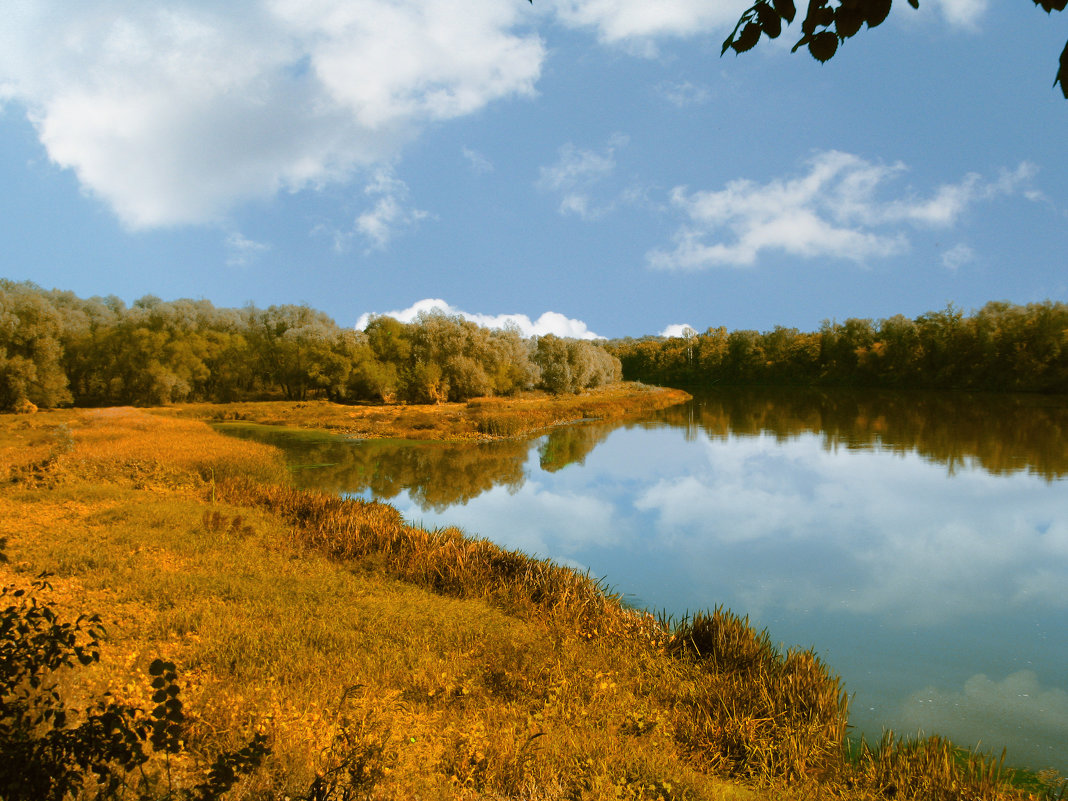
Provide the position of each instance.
(579, 167)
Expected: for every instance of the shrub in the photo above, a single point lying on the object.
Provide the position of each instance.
(50, 755)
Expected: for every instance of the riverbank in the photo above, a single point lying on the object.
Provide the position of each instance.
(478, 419)
(398, 662)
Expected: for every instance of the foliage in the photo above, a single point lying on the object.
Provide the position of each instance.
(571, 365)
(30, 350)
(56, 348)
(49, 755)
(825, 25)
(1001, 347)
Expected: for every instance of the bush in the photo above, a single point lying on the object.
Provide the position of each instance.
(48, 755)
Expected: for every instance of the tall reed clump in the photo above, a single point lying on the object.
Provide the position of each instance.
(762, 713)
(929, 768)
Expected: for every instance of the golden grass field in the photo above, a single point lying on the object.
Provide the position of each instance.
(390, 661)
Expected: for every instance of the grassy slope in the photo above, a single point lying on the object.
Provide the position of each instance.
(445, 696)
(335, 642)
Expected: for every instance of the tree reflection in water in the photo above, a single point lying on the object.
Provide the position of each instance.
(1000, 433)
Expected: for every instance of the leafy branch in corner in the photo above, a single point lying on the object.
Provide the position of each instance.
(825, 26)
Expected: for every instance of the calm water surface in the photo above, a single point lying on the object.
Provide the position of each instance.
(918, 542)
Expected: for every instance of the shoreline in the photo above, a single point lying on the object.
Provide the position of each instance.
(480, 419)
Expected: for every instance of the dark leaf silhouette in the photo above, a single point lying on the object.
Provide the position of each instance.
(1062, 73)
(749, 37)
(785, 9)
(847, 18)
(823, 45)
(876, 12)
(769, 20)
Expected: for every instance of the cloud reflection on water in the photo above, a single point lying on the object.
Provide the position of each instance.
(1016, 709)
(904, 541)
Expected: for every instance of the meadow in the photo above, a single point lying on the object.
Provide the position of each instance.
(383, 660)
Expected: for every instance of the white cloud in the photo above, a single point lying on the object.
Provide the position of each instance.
(831, 211)
(633, 22)
(389, 213)
(175, 114)
(575, 175)
(678, 330)
(548, 323)
(962, 13)
(242, 250)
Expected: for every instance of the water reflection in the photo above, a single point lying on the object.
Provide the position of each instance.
(919, 542)
(436, 475)
(994, 712)
(1001, 433)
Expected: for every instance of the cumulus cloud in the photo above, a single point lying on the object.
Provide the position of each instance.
(577, 173)
(835, 209)
(174, 114)
(548, 323)
(679, 330)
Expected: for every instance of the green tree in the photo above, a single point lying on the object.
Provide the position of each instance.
(31, 353)
(300, 350)
(571, 365)
(828, 23)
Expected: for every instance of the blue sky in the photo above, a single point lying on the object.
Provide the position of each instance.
(590, 164)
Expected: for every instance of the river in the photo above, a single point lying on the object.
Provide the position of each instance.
(919, 542)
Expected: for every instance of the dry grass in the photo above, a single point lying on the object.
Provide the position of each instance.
(478, 419)
(389, 661)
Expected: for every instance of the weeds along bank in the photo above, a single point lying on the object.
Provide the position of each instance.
(383, 660)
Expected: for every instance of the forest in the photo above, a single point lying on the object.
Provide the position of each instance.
(57, 349)
(1001, 347)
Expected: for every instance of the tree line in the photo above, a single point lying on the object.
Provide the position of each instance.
(1002, 346)
(58, 349)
